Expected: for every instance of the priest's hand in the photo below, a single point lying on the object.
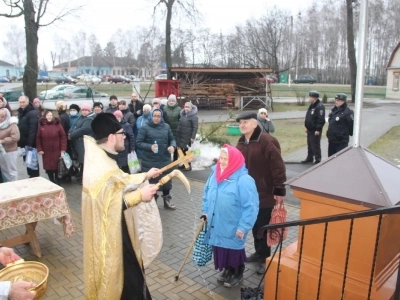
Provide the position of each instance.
(148, 192)
(153, 173)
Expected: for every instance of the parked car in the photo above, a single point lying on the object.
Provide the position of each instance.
(43, 79)
(91, 79)
(133, 78)
(4, 80)
(118, 78)
(66, 79)
(305, 79)
(161, 77)
(82, 92)
(12, 97)
(55, 92)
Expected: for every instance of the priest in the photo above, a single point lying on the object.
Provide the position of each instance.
(112, 259)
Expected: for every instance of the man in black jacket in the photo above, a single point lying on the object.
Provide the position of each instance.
(28, 124)
(314, 122)
(136, 106)
(341, 121)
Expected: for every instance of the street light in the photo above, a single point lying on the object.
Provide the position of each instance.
(297, 48)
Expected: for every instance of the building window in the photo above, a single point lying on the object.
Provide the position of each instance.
(122, 72)
(396, 77)
(118, 72)
(113, 72)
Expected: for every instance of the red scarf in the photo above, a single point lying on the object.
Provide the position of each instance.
(235, 162)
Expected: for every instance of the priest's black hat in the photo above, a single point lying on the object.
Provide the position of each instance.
(246, 115)
(105, 124)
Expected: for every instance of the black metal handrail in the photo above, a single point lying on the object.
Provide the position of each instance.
(326, 220)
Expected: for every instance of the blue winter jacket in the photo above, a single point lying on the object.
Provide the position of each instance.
(230, 205)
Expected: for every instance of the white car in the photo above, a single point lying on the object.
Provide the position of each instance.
(91, 79)
(161, 77)
(55, 92)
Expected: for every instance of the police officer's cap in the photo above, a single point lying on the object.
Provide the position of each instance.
(246, 115)
(314, 94)
(341, 96)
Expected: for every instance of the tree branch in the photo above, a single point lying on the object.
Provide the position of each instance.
(62, 14)
(13, 5)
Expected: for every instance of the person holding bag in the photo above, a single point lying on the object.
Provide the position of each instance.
(9, 137)
(51, 142)
(230, 206)
(129, 142)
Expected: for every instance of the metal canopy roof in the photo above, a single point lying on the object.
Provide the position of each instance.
(224, 73)
(355, 175)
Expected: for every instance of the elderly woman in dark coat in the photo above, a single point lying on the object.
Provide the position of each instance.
(129, 142)
(81, 127)
(187, 128)
(51, 142)
(157, 143)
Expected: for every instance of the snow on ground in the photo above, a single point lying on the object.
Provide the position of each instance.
(208, 152)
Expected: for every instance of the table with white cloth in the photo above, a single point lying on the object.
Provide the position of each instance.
(25, 202)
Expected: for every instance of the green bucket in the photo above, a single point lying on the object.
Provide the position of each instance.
(233, 130)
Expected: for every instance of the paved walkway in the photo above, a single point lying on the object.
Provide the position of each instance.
(64, 256)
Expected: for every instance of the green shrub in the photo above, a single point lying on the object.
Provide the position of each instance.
(324, 98)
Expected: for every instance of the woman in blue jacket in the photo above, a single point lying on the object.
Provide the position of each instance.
(230, 205)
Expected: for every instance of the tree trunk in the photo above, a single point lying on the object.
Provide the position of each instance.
(168, 55)
(351, 52)
(31, 67)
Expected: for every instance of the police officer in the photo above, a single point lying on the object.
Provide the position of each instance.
(341, 120)
(314, 122)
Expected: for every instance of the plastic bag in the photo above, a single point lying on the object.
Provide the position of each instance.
(67, 160)
(31, 159)
(133, 163)
(195, 149)
(62, 169)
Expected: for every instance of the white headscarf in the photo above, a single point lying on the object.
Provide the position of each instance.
(6, 122)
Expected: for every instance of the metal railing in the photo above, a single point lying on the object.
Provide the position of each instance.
(326, 221)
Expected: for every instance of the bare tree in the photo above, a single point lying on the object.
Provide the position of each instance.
(33, 12)
(191, 13)
(15, 44)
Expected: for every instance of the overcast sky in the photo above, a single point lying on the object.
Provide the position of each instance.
(103, 18)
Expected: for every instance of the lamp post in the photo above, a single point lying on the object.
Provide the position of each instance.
(297, 46)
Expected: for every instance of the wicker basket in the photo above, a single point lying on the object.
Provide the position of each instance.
(31, 271)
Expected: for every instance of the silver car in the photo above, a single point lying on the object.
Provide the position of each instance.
(55, 92)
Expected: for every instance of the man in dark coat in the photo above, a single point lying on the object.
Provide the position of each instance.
(28, 121)
(264, 162)
(341, 121)
(113, 105)
(314, 122)
(136, 106)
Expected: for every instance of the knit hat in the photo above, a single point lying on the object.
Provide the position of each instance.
(118, 114)
(61, 105)
(147, 107)
(189, 104)
(36, 100)
(74, 106)
(156, 100)
(105, 124)
(86, 106)
(98, 104)
(262, 110)
(172, 97)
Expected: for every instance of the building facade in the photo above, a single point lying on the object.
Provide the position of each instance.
(393, 75)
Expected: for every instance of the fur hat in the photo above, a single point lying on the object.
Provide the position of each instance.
(262, 110)
(172, 97)
(105, 124)
(86, 106)
(156, 100)
(75, 106)
(147, 107)
(118, 114)
(61, 105)
(99, 104)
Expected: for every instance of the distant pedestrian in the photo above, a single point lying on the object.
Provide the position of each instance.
(128, 115)
(314, 122)
(113, 106)
(341, 121)
(264, 121)
(187, 129)
(9, 137)
(51, 142)
(28, 124)
(129, 142)
(39, 108)
(98, 107)
(136, 106)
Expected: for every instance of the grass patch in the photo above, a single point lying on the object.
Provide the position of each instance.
(388, 146)
(289, 132)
